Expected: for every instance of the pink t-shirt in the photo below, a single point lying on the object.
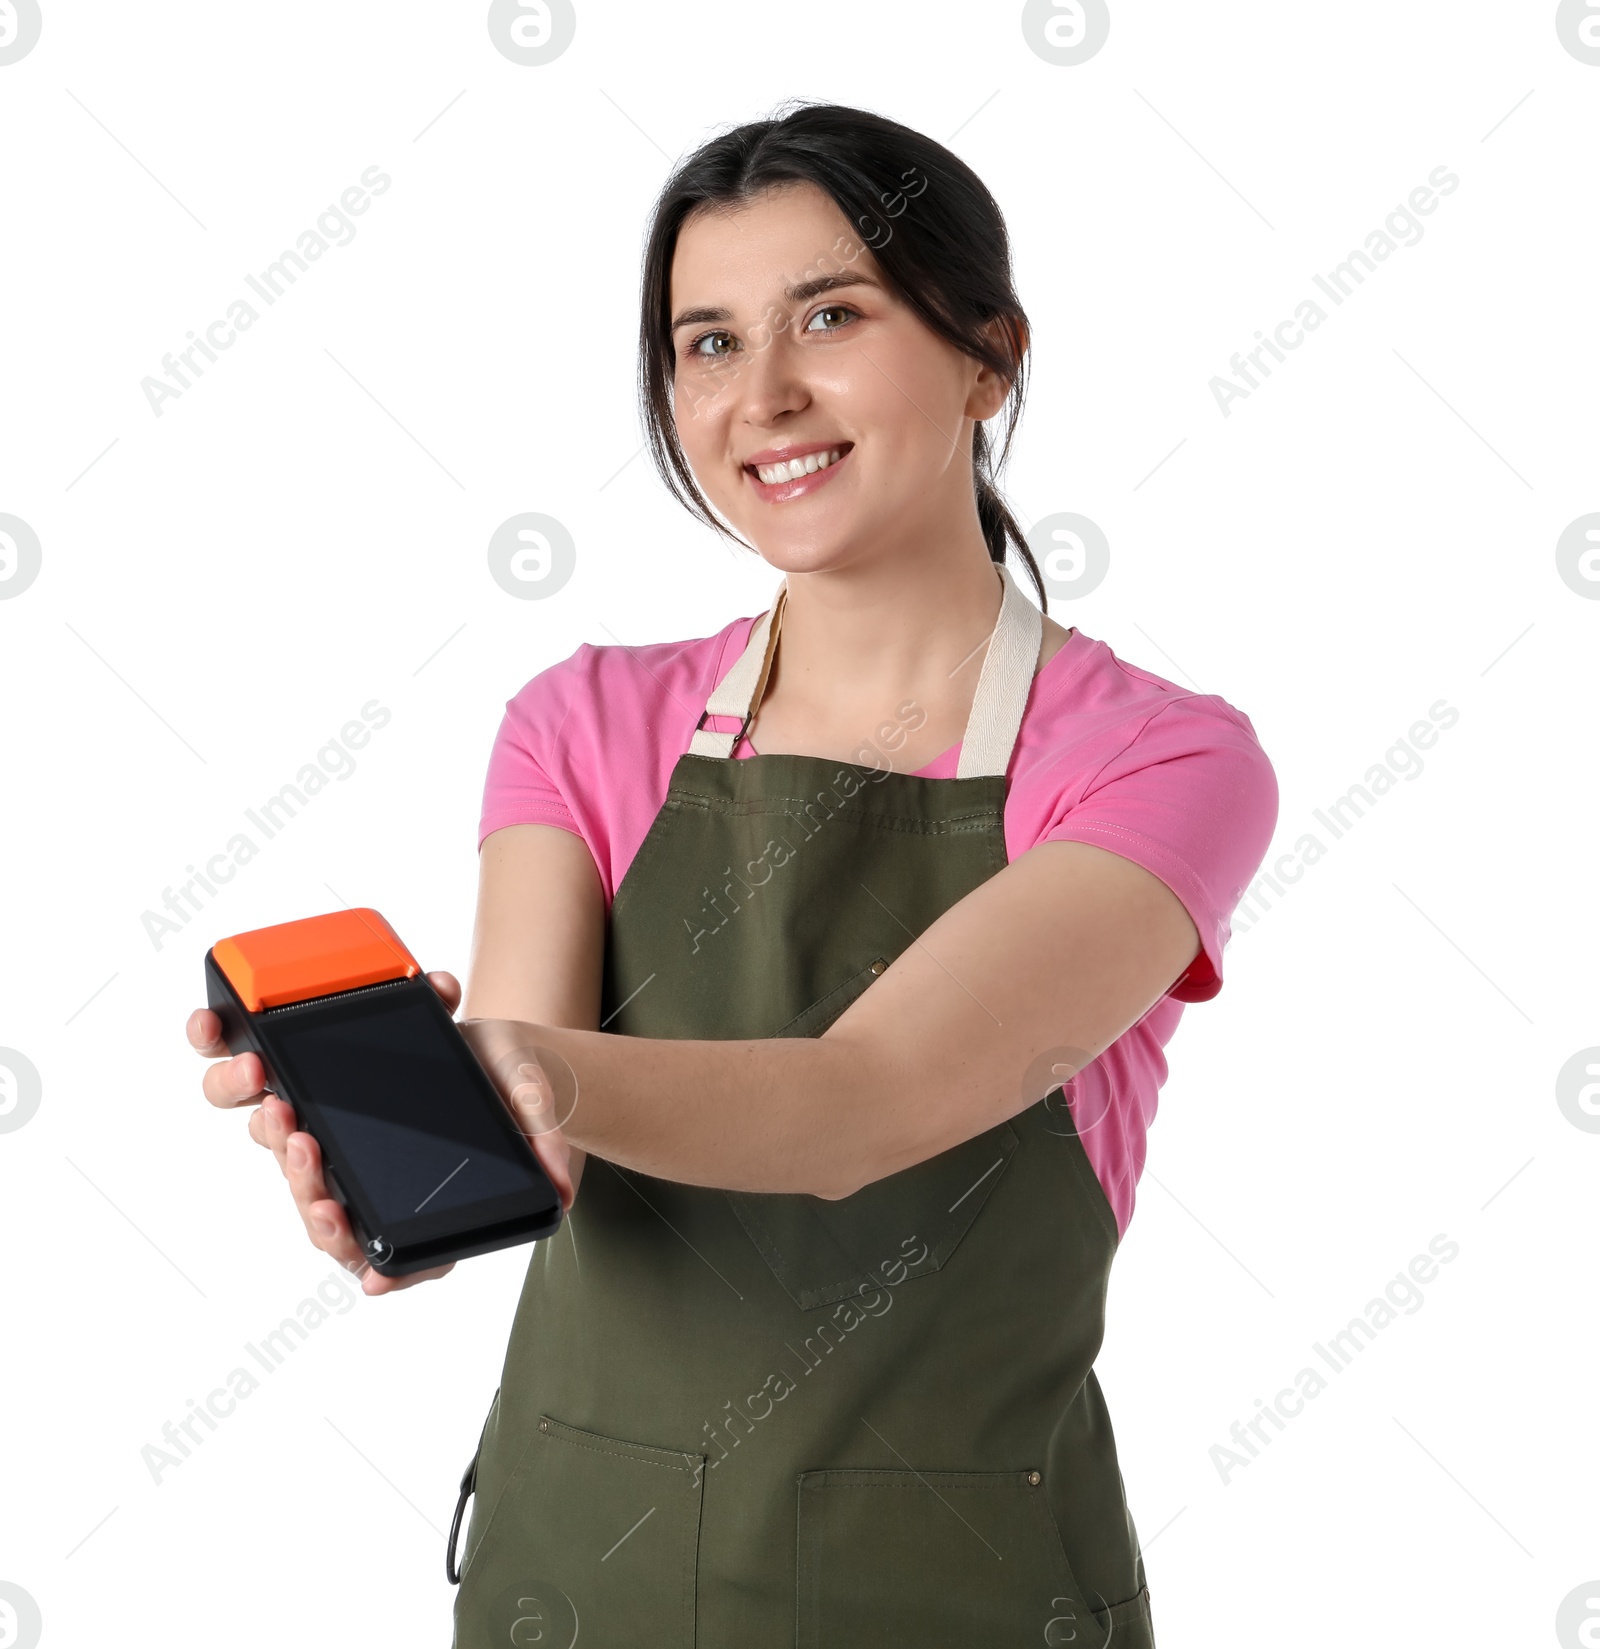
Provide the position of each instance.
(1107, 754)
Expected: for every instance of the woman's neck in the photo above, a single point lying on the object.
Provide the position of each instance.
(882, 657)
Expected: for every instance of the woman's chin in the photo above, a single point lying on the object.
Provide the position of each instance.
(819, 545)
(787, 557)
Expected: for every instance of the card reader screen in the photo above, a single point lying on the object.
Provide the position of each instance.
(402, 1102)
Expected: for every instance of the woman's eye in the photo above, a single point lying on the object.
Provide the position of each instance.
(719, 345)
(839, 309)
(697, 351)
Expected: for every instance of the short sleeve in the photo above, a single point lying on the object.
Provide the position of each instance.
(1192, 797)
(520, 787)
(590, 743)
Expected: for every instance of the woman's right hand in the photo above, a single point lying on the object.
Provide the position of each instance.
(240, 1080)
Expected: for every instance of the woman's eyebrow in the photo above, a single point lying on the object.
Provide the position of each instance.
(799, 293)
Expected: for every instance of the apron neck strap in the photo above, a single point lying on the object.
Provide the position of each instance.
(998, 703)
(740, 691)
(1003, 684)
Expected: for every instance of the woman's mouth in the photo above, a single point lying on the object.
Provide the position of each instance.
(787, 478)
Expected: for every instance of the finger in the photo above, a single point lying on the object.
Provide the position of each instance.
(533, 1103)
(555, 1157)
(373, 1282)
(326, 1222)
(204, 1030)
(539, 1098)
(237, 1081)
(448, 987)
(277, 1123)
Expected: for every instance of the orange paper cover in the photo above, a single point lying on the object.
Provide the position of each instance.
(315, 956)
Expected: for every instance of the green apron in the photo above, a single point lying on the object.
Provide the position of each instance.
(740, 1420)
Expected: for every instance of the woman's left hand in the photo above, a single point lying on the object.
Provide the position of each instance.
(539, 1087)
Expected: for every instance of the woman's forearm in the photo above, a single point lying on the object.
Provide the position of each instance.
(1072, 943)
(781, 1114)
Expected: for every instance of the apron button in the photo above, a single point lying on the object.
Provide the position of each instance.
(1034, 1479)
(878, 966)
(544, 1425)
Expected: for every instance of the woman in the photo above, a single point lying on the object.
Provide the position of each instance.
(819, 930)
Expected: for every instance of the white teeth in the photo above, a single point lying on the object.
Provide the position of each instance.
(771, 474)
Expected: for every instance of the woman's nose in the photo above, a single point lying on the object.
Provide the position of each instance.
(770, 381)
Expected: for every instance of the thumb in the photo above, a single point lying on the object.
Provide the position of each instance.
(448, 988)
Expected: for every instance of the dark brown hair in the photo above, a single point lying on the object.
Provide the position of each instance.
(935, 230)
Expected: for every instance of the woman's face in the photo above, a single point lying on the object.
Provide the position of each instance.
(788, 342)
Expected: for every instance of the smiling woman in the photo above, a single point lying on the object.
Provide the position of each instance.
(852, 1098)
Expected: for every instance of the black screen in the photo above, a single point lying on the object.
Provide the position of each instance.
(407, 1105)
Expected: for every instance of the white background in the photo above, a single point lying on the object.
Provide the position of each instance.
(222, 587)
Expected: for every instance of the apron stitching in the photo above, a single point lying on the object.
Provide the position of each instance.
(756, 807)
(611, 1454)
(854, 979)
(866, 1477)
(965, 826)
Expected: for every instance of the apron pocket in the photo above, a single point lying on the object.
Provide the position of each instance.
(590, 1534)
(943, 1560)
(906, 1225)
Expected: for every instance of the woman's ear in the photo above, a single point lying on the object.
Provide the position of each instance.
(1008, 334)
